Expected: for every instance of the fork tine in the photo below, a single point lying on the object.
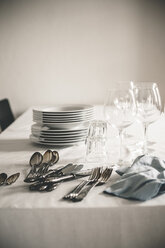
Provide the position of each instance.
(104, 174)
(93, 175)
(108, 174)
(101, 177)
(99, 173)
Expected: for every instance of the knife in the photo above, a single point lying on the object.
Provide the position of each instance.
(65, 170)
(68, 177)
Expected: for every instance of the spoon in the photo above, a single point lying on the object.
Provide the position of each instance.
(47, 160)
(51, 187)
(3, 177)
(35, 160)
(12, 178)
(53, 158)
(56, 156)
(50, 158)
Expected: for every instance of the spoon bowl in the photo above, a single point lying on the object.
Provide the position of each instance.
(3, 177)
(47, 156)
(36, 159)
(56, 157)
(47, 160)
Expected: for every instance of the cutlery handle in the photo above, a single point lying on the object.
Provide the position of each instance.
(60, 179)
(52, 187)
(84, 192)
(76, 190)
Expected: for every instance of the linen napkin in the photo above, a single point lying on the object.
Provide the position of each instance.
(142, 181)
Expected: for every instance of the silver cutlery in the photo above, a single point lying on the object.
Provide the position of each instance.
(52, 187)
(75, 174)
(64, 170)
(56, 156)
(52, 183)
(4, 180)
(53, 160)
(42, 187)
(67, 169)
(35, 161)
(104, 177)
(50, 158)
(44, 161)
(35, 185)
(94, 176)
(3, 177)
(12, 178)
(68, 172)
(47, 160)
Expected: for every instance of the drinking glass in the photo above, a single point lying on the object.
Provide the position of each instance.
(120, 112)
(149, 106)
(96, 142)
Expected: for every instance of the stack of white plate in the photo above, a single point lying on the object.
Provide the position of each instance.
(61, 126)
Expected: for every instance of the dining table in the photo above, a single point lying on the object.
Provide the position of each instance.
(32, 219)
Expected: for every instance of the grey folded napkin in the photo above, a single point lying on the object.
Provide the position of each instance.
(142, 181)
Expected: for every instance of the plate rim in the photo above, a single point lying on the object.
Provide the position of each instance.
(82, 108)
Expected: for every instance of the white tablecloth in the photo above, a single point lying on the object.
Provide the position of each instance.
(39, 220)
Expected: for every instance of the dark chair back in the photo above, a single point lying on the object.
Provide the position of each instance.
(6, 115)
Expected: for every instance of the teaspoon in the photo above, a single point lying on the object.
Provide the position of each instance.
(47, 159)
(35, 161)
(3, 177)
(50, 158)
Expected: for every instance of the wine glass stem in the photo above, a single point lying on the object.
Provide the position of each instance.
(145, 138)
(121, 145)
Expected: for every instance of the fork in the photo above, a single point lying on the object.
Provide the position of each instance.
(105, 175)
(93, 177)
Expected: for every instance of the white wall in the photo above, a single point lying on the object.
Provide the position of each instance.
(71, 51)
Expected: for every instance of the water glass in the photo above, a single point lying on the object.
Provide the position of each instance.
(96, 142)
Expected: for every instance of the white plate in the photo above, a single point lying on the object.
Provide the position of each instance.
(46, 129)
(63, 118)
(60, 144)
(73, 116)
(61, 135)
(51, 121)
(45, 134)
(61, 115)
(67, 126)
(66, 117)
(53, 134)
(58, 139)
(64, 109)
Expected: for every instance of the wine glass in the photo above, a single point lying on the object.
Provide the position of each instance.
(120, 112)
(149, 106)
